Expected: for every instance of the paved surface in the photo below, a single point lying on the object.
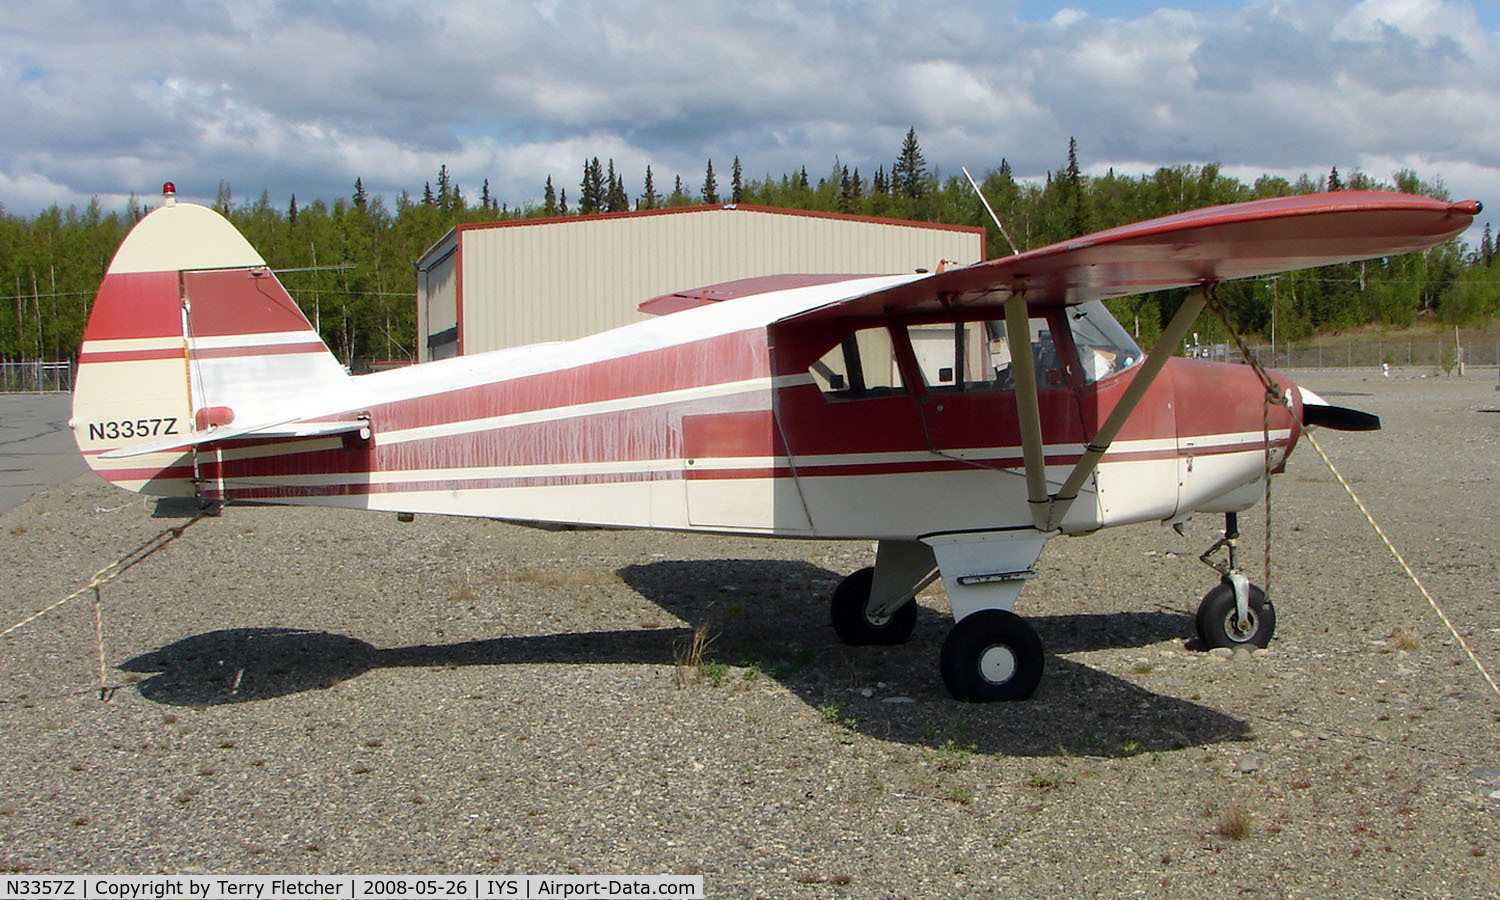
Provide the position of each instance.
(36, 448)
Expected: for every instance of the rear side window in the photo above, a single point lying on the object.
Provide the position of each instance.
(862, 365)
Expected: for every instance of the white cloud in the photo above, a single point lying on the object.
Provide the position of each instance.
(109, 98)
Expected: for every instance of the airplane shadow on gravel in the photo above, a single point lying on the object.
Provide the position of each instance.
(768, 619)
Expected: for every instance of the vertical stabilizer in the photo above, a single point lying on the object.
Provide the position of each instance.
(190, 332)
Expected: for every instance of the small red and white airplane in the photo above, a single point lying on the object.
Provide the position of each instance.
(960, 418)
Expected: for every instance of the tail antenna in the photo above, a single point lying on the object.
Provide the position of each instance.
(994, 218)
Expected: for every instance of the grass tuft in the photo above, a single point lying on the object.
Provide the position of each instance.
(1234, 822)
(1403, 637)
(692, 662)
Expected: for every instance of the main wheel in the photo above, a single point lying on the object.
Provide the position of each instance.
(850, 609)
(1219, 624)
(989, 655)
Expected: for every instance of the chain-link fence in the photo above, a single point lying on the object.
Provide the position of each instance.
(35, 376)
(1442, 354)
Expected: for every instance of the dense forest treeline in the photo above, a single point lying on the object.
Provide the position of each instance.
(349, 261)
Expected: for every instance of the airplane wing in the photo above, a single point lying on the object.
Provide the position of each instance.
(732, 290)
(1217, 243)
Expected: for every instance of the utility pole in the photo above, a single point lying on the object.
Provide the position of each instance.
(1275, 282)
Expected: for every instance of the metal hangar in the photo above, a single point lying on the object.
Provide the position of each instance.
(501, 284)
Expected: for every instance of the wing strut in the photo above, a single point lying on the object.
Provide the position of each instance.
(1028, 408)
(1171, 338)
(1048, 511)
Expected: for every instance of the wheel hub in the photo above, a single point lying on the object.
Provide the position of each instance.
(1241, 630)
(997, 664)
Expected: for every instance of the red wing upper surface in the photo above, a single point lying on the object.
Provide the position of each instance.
(1217, 243)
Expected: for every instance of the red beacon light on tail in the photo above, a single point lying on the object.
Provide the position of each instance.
(169, 193)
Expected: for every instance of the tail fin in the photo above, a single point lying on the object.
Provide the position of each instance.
(189, 333)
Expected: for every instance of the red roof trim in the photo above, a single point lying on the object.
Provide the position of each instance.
(702, 208)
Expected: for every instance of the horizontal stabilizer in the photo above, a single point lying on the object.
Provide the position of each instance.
(267, 431)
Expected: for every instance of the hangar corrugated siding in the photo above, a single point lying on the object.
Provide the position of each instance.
(527, 281)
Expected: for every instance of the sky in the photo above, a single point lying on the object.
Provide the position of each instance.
(110, 99)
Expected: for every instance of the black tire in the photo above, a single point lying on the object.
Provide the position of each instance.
(851, 619)
(1217, 620)
(991, 655)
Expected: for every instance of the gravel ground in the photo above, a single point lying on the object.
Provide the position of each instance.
(315, 691)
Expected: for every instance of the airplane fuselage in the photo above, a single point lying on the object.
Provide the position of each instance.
(692, 422)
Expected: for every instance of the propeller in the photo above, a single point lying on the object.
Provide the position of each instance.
(1319, 412)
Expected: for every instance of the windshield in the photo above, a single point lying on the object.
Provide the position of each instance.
(1104, 348)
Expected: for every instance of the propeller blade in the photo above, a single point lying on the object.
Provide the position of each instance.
(1320, 413)
(1340, 418)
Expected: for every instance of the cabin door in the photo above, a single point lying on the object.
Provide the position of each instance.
(970, 415)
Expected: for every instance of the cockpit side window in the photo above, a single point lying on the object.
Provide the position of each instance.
(861, 366)
(1104, 347)
(972, 356)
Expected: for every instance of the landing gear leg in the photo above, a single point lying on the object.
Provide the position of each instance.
(991, 653)
(1235, 612)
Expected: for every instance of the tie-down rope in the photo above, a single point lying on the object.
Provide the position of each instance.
(1274, 396)
(101, 578)
(1406, 568)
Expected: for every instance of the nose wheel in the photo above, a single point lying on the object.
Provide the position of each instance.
(1235, 612)
(1221, 624)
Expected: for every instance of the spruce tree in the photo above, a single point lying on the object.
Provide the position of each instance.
(616, 200)
(650, 199)
(710, 192)
(736, 183)
(360, 198)
(1334, 182)
(591, 195)
(909, 172)
(1072, 186)
(549, 198)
